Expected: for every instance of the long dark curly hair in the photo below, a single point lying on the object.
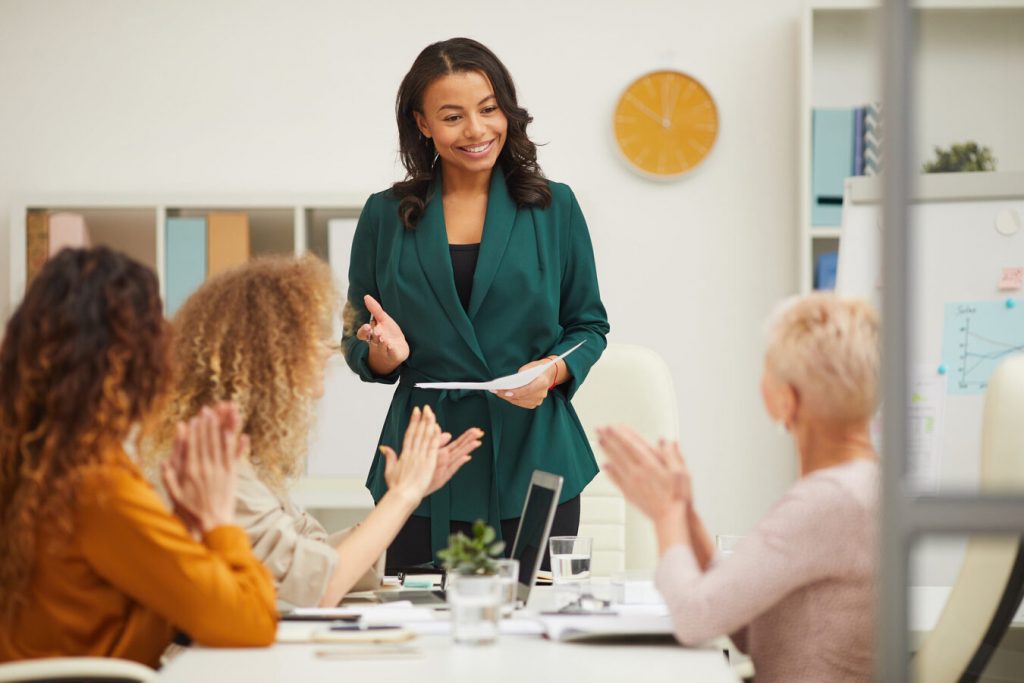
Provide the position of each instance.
(85, 356)
(518, 158)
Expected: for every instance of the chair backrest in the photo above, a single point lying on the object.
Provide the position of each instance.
(76, 669)
(990, 585)
(629, 385)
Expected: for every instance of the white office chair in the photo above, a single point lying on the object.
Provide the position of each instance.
(70, 669)
(631, 385)
(989, 588)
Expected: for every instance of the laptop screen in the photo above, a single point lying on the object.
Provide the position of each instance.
(534, 526)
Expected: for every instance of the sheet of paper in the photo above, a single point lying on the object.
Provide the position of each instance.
(515, 626)
(924, 427)
(508, 382)
(976, 337)
(925, 407)
(349, 610)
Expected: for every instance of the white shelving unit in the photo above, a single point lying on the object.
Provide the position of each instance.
(970, 58)
(279, 223)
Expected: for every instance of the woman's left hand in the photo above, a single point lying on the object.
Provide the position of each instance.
(533, 394)
(653, 478)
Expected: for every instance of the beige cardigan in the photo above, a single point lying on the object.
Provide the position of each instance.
(294, 546)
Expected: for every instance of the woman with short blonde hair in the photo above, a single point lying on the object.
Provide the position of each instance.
(260, 335)
(797, 591)
(827, 348)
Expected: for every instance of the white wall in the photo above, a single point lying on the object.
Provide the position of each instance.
(240, 95)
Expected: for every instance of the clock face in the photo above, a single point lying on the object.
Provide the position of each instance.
(665, 124)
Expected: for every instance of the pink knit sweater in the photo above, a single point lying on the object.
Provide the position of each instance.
(797, 592)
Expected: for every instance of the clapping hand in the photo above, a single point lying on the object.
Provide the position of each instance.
(653, 478)
(429, 457)
(200, 476)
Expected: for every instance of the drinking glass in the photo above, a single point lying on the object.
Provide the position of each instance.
(570, 558)
(474, 602)
(508, 577)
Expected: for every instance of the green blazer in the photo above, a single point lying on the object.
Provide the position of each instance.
(534, 294)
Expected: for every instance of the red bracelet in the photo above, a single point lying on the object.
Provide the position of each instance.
(554, 382)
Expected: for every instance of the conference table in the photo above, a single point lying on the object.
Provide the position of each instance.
(519, 658)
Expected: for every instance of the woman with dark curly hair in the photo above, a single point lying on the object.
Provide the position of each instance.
(473, 267)
(91, 560)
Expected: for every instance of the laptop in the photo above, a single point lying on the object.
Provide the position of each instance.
(528, 547)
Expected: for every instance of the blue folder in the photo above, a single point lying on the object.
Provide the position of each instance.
(831, 163)
(825, 270)
(185, 260)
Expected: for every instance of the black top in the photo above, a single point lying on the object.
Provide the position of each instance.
(464, 265)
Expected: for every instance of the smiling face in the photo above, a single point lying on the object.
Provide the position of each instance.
(461, 115)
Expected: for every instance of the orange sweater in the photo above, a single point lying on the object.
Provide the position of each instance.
(132, 575)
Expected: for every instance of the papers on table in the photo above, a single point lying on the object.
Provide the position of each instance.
(505, 383)
(595, 627)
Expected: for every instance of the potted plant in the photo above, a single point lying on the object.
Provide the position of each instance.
(473, 590)
(961, 158)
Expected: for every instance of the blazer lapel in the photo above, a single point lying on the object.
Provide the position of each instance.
(501, 215)
(436, 261)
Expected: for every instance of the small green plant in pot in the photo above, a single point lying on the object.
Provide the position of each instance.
(473, 556)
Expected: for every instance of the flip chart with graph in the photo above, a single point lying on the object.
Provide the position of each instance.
(977, 335)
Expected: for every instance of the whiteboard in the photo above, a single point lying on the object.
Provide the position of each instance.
(961, 238)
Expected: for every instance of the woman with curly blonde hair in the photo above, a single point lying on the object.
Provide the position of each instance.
(260, 335)
(91, 561)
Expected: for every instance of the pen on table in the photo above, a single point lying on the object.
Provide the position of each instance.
(359, 626)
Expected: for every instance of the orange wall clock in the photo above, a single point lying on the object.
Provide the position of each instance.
(665, 124)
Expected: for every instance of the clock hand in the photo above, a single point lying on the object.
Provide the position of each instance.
(675, 99)
(647, 110)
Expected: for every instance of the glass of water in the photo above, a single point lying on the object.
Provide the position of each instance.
(474, 602)
(508, 577)
(570, 559)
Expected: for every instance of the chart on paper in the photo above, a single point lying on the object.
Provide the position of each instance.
(977, 336)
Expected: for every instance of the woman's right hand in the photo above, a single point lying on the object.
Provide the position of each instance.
(200, 477)
(410, 476)
(388, 347)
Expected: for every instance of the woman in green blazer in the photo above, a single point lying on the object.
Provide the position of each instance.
(474, 267)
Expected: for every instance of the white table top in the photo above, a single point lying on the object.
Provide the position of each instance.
(512, 659)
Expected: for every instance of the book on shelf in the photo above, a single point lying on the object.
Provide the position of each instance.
(844, 142)
(872, 139)
(185, 259)
(858, 141)
(832, 157)
(227, 241)
(825, 270)
(47, 233)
